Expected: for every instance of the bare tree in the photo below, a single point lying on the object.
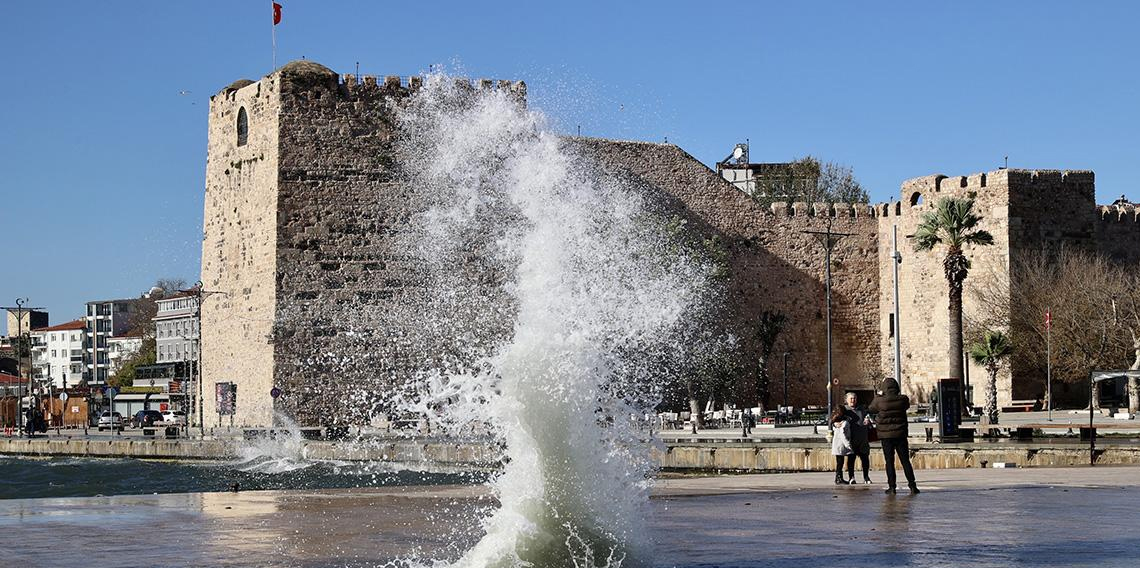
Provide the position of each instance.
(1095, 308)
(811, 181)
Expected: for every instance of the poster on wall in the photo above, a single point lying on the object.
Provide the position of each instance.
(226, 397)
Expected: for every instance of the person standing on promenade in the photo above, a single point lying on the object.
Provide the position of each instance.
(747, 421)
(840, 442)
(860, 441)
(890, 409)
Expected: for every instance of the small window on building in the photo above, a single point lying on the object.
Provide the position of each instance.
(242, 127)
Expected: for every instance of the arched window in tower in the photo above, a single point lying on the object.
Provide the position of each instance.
(242, 127)
(915, 199)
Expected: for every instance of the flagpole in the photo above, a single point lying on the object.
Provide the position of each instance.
(273, 25)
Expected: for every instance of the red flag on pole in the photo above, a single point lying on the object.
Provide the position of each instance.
(276, 13)
(1048, 319)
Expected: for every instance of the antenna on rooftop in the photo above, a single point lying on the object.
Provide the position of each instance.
(739, 154)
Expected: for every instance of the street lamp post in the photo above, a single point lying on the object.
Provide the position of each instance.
(828, 239)
(20, 346)
(897, 257)
(196, 360)
(786, 353)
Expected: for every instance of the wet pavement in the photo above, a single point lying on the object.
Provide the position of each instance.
(976, 518)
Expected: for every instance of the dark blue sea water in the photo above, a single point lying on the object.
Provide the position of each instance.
(24, 478)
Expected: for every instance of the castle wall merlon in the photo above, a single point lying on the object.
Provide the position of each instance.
(1118, 213)
(229, 90)
(781, 209)
(924, 184)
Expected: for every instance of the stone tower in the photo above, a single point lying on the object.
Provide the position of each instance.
(302, 213)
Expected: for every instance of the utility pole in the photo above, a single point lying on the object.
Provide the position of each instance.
(1049, 362)
(828, 239)
(196, 360)
(786, 353)
(20, 308)
(898, 324)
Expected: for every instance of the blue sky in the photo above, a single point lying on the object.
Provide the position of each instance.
(102, 159)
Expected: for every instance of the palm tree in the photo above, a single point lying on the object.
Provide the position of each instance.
(954, 224)
(989, 352)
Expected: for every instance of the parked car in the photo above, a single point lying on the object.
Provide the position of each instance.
(109, 421)
(146, 418)
(173, 418)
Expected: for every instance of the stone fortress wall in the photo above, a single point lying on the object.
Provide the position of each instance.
(305, 236)
(307, 225)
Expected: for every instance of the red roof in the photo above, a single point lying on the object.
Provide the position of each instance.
(69, 326)
(6, 379)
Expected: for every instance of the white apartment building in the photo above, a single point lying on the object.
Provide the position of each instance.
(58, 353)
(176, 328)
(105, 319)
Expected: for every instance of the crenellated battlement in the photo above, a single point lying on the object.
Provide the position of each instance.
(371, 83)
(299, 76)
(1118, 213)
(917, 194)
(837, 210)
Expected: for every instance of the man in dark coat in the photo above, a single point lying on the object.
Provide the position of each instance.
(890, 422)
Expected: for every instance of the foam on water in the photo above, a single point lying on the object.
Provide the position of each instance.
(588, 295)
(281, 452)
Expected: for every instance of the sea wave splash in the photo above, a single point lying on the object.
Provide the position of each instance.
(556, 286)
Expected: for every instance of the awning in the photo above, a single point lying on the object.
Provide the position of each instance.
(139, 397)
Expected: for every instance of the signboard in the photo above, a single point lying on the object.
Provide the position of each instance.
(162, 406)
(141, 390)
(75, 410)
(225, 395)
(950, 408)
(63, 397)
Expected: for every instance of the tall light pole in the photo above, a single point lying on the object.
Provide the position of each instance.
(786, 353)
(1049, 362)
(20, 346)
(196, 360)
(897, 257)
(828, 239)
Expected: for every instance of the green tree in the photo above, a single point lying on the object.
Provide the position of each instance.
(954, 224)
(811, 181)
(990, 352)
(768, 328)
(141, 324)
(125, 375)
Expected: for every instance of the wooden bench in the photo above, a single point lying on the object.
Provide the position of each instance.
(1020, 406)
(1084, 429)
(1025, 431)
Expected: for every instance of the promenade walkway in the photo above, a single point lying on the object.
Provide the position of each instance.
(972, 518)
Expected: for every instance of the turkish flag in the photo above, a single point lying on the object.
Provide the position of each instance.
(276, 13)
